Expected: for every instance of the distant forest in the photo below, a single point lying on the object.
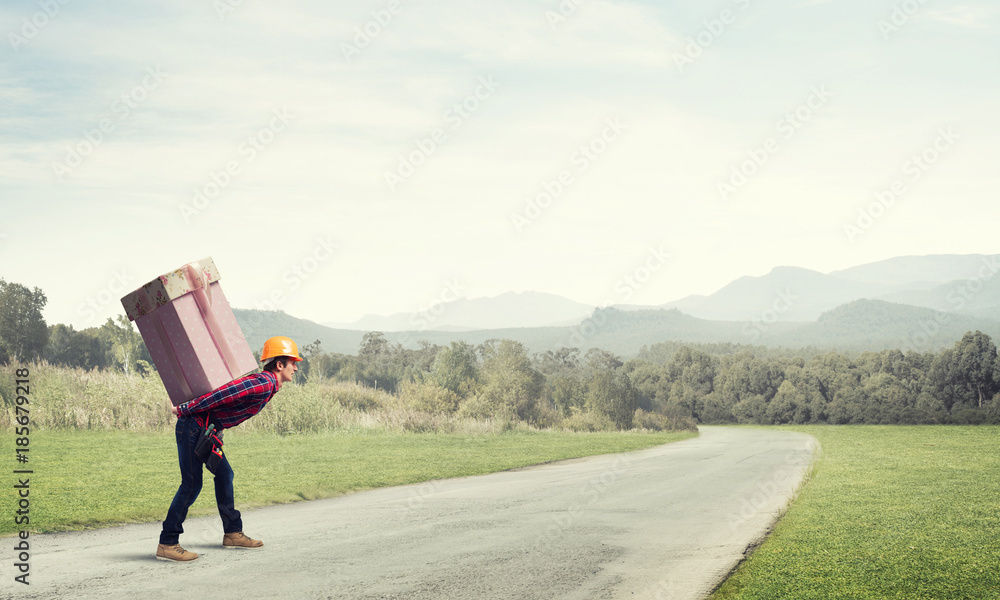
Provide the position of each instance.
(710, 383)
(713, 383)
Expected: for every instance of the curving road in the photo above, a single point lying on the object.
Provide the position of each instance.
(666, 523)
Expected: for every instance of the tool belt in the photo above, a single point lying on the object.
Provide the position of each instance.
(208, 447)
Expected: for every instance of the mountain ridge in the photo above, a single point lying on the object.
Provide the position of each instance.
(906, 302)
(857, 326)
(795, 293)
(510, 309)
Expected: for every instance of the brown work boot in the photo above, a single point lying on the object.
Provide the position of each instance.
(175, 553)
(239, 540)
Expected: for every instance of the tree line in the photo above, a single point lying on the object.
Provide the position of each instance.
(24, 336)
(712, 383)
(665, 386)
(959, 385)
(497, 378)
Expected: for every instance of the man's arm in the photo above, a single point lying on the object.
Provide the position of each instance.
(218, 397)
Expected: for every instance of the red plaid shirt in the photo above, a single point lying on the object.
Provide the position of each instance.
(235, 402)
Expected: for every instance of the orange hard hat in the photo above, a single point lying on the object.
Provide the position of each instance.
(279, 345)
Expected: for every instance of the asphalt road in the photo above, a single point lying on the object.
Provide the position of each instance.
(666, 523)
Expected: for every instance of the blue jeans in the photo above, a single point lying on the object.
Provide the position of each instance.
(191, 471)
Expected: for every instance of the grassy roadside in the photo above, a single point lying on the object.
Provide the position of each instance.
(890, 512)
(92, 478)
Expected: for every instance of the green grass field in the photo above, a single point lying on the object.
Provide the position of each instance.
(889, 512)
(92, 478)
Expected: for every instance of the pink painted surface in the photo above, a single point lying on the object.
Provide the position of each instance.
(187, 338)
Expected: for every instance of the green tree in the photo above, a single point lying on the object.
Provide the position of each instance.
(833, 375)
(848, 407)
(376, 362)
(332, 365)
(887, 401)
(649, 379)
(457, 369)
(423, 358)
(23, 333)
(965, 377)
(785, 406)
(975, 369)
(308, 353)
(752, 409)
(611, 393)
(811, 406)
(511, 385)
(124, 345)
(566, 392)
(942, 380)
(930, 409)
(602, 360)
(374, 347)
(564, 385)
(312, 349)
(692, 373)
(715, 409)
(564, 361)
(71, 348)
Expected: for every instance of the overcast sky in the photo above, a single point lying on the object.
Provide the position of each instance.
(343, 158)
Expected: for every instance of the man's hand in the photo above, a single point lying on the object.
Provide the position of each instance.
(173, 410)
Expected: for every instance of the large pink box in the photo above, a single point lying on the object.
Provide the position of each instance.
(190, 330)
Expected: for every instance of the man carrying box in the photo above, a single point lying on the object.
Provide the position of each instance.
(225, 407)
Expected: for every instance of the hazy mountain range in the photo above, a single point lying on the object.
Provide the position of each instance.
(526, 309)
(911, 302)
(952, 283)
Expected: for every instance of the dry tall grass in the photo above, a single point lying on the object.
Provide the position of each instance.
(63, 398)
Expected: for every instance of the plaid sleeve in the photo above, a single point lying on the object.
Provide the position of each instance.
(223, 395)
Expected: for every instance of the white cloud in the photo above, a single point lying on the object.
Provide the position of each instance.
(972, 16)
